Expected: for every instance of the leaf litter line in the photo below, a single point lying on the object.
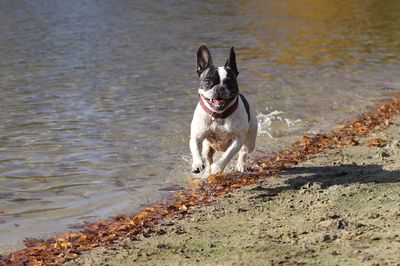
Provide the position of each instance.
(70, 245)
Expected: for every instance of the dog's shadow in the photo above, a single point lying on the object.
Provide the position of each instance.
(327, 176)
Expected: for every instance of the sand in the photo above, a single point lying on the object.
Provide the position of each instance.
(338, 208)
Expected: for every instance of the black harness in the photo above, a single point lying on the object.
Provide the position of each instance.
(246, 105)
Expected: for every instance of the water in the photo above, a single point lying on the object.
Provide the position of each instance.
(96, 97)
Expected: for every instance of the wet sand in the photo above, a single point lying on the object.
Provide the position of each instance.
(341, 207)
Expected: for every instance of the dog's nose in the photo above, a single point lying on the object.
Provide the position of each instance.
(219, 89)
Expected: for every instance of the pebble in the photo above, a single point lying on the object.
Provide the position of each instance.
(375, 238)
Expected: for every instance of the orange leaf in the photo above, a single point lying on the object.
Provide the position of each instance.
(353, 142)
(183, 208)
(376, 142)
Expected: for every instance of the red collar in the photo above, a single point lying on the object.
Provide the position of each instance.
(222, 115)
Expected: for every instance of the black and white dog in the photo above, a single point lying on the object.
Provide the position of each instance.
(223, 119)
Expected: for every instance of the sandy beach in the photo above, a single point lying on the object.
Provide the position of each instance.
(337, 208)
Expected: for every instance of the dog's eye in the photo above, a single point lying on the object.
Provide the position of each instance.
(206, 83)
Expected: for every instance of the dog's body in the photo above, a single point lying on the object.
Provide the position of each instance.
(223, 119)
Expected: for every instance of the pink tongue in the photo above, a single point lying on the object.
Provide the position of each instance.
(218, 102)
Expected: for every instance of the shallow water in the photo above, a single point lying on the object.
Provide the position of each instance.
(96, 97)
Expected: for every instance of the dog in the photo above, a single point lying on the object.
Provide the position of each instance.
(224, 120)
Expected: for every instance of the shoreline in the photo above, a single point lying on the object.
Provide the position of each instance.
(69, 246)
(337, 208)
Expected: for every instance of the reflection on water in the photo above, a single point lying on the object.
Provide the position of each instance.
(324, 33)
(96, 98)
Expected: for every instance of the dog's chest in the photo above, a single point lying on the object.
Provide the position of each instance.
(219, 136)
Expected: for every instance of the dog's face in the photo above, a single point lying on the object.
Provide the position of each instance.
(218, 85)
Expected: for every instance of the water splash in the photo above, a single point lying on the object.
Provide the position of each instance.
(273, 120)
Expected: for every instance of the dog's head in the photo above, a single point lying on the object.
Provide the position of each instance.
(218, 85)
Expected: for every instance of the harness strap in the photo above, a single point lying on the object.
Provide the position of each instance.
(246, 105)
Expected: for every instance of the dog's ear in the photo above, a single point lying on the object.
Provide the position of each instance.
(231, 62)
(204, 59)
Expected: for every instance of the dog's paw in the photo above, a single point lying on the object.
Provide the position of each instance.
(240, 167)
(207, 172)
(215, 169)
(197, 167)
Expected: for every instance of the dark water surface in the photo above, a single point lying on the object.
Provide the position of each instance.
(96, 97)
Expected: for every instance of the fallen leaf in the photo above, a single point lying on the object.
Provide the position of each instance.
(33, 242)
(353, 142)
(376, 142)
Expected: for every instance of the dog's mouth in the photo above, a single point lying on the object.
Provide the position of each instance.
(217, 103)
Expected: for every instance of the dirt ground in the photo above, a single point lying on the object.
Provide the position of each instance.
(338, 208)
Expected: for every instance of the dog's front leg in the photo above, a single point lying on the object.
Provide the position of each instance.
(219, 166)
(195, 148)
